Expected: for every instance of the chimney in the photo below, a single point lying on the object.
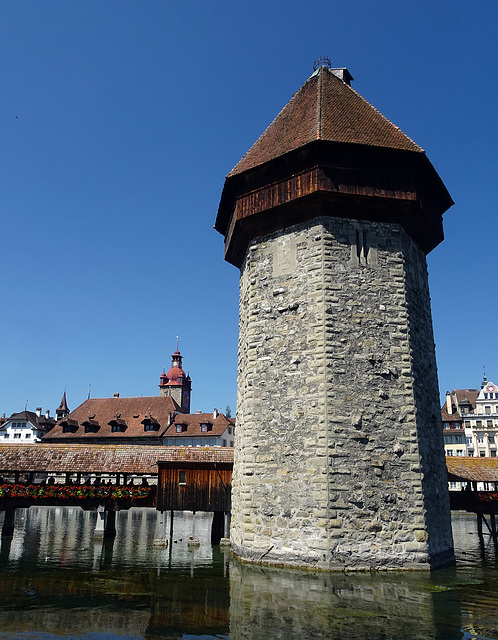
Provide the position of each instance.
(38, 411)
(343, 74)
(47, 414)
(116, 395)
(198, 411)
(215, 414)
(449, 407)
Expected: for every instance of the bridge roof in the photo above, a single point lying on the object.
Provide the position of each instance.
(473, 469)
(96, 458)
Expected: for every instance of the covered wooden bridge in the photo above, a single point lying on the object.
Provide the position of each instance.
(113, 477)
(479, 494)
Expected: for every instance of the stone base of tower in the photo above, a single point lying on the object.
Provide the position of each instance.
(339, 461)
(361, 561)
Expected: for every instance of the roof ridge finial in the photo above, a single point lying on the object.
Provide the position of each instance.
(484, 379)
(322, 61)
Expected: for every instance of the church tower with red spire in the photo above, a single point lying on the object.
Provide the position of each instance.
(339, 460)
(176, 383)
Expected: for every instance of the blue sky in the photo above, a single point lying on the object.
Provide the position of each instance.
(119, 121)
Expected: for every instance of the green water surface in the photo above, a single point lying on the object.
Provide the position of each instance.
(58, 581)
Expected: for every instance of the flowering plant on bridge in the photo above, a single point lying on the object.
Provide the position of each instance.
(488, 497)
(71, 492)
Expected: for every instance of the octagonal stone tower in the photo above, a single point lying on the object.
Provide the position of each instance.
(339, 460)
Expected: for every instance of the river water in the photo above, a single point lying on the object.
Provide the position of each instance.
(58, 581)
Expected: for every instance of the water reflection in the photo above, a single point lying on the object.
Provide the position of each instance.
(57, 579)
(281, 604)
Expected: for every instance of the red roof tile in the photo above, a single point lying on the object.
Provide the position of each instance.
(450, 417)
(324, 108)
(130, 410)
(193, 421)
(466, 394)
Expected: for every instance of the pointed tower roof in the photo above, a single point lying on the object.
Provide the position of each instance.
(63, 405)
(62, 410)
(324, 108)
(330, 153)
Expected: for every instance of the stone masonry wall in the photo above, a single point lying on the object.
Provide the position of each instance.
(339, 459)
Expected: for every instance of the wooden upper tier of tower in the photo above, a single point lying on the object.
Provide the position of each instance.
(329, 152)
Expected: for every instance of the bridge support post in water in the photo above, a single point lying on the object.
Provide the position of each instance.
(106, 524)
(491, 526)
(99, 526)
(8, 523)
(110, 525)
(217, 527)
(193, 541)
(226, 532)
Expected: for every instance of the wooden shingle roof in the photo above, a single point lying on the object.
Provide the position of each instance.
(94, 458)
(473, 469)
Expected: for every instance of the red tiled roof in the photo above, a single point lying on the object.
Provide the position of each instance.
(216, 426)
(474, 469)
(324, 108)
(460, 395)
(94, 458)
(450, 417)
(132, 410)
(466, 394)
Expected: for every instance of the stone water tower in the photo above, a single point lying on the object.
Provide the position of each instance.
(339, 460)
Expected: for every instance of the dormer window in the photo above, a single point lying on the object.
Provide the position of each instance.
(204, 428)
(150, 423)
(69, 425)
(91, 427)
(151, 426)
(180, 428)
(118, 425)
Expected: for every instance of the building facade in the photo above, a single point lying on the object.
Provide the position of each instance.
(481, 425)
(470, 421)
(149, 420)
(456, 403)
(200, 429)
(176, 384)
(26, 427)
(339, 459)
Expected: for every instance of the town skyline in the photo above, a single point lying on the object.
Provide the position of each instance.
(120, 123)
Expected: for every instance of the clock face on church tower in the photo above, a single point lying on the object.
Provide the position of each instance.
(185, 398)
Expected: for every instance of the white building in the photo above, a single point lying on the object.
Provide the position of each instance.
(458, 403)
(481, 423)
(26, 427)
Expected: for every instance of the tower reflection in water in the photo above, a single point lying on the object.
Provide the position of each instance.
(55, 578)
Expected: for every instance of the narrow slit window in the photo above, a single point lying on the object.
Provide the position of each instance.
(361, 246)
(183, 478)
